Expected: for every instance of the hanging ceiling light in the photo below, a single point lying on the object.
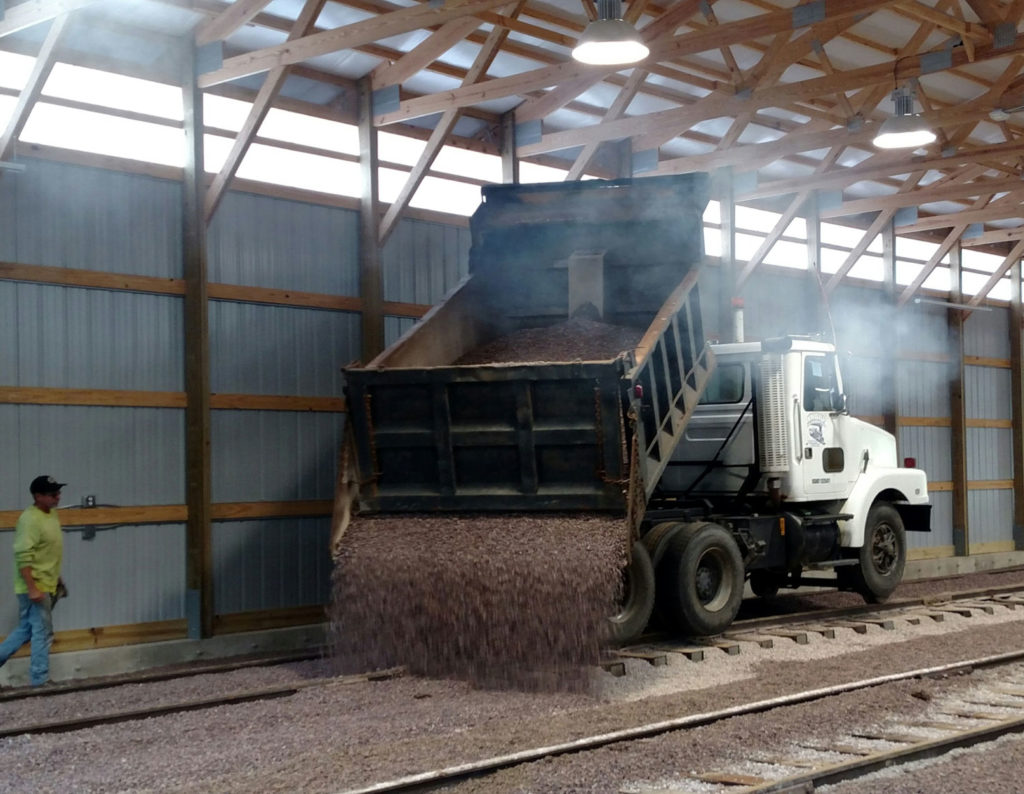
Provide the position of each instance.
(905, 130)
(609, 40)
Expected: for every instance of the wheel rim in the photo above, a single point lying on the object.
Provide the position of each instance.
(710, 581)
(884, 549)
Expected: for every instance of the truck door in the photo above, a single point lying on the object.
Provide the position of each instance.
(825, 464)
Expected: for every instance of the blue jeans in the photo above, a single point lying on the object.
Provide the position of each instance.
(35, 623)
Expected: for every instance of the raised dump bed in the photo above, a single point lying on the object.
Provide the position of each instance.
(599, 280)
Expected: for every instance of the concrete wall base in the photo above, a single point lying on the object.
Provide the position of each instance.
(131, 658)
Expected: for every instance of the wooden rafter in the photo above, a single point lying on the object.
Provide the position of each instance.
(32, 12)
(1011, 258)
(617, 108)
(257, 113)
(229, 20)
(344, 38)
(442, 130)
(429, 50)
(680, 46)
(33, 88)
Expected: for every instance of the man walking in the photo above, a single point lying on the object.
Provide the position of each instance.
(38, 549)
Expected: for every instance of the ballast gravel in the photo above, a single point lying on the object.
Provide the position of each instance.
(340, 735)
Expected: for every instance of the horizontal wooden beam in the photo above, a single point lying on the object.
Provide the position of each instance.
(945, 421)
(256, 620)
(93, 279)
(176, 514)
(116, 398)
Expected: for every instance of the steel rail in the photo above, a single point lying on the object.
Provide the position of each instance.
(245, 696)
(151, 676)
(458, 773)
(860, 767)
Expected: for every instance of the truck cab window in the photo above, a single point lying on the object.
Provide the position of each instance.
(821, 387)
(726, 385)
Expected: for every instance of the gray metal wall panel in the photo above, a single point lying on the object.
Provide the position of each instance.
(123, 456)
(131, 574)
(8, 217)
(394, 327)
(271, 564)
(274, 455)
(923, 329)
(260, 241)
(930, 447)
(923, 388)
(78, 217)
(257, 349)
(989, 453)
(986, 333)
(942, 524)
(90, 339)
(987, 393)
(862, 382)
(422, 261)
(990, 516)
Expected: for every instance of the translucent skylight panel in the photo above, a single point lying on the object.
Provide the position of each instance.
(224, 113)
(788, 254)
(980, 260)
(284, 167)
(464, 162)
(906, 272)
(399, 149)
(869, 268)
(99, 133)
(534, 172)
(713, 213)
(909, 248)
(286, 125)
(834, 234)
(116, 91)
(7, 104)
(712, 242)
(440, 195)
(1001, 291)
(939, 279)
(971, 283)
(15, 70)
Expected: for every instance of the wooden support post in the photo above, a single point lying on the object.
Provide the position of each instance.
(1017, 403)
(958, 418)
(198, 551)
(889, 383)
(370, 277)
(727, 328)
(509, 160)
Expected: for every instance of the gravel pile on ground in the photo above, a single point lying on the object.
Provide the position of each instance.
(501, 601)
(578, 339)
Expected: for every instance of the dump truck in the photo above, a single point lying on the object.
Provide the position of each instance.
(727, 463)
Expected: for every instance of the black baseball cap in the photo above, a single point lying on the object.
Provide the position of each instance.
(44, 483)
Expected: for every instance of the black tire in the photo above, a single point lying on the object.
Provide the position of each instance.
(765, 584)
(657, 539)
(637, 599)
(700, 580)
(883, 555)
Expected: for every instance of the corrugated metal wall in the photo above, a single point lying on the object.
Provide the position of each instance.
(68, 337)
(989, 449)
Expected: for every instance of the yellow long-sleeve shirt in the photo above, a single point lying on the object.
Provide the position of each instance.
(39, 545)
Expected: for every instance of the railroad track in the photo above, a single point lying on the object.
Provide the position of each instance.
(960, 728)
(179, 707)
(766, 632)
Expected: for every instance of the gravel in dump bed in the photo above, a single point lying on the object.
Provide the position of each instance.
(578, 339)
(497, 600)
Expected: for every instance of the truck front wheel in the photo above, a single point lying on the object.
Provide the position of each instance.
(883, 555)
(636, 601)
(700, 580)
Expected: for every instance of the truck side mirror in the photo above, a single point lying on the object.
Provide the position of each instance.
(838, 402)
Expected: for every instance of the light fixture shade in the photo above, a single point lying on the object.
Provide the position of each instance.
(609, 42)
(903, 132)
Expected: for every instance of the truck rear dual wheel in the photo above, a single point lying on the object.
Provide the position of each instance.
(700, 579)
(883, 555)
(637, 599)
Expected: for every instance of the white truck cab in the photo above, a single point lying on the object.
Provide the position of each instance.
(800, 484)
